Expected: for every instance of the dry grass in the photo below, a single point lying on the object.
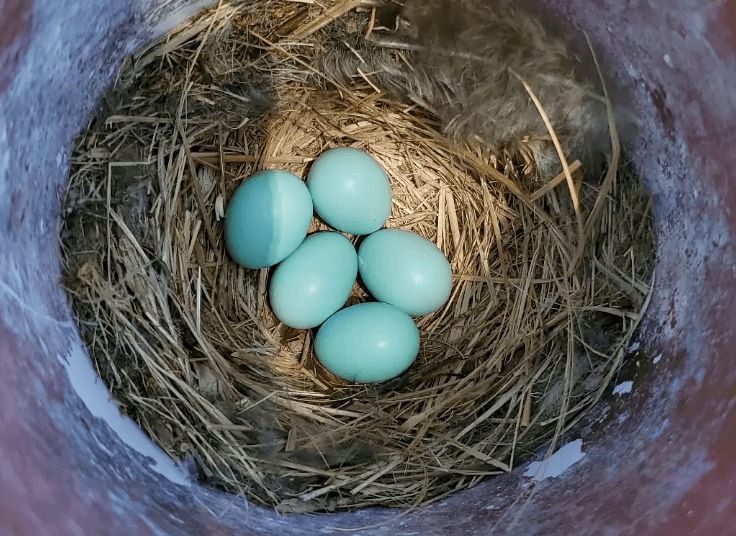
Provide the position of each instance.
(548, 284)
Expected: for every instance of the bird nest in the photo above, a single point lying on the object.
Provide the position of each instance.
(550, 275)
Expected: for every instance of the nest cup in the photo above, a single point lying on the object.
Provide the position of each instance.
(551, 272)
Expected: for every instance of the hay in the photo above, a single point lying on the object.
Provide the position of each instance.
(546, 292)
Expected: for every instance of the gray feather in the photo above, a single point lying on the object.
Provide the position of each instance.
(460, 59)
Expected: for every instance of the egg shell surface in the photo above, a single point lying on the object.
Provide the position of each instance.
(267, 218)
(350, 190)
(368, 342)
(406, 270)
(312, 283)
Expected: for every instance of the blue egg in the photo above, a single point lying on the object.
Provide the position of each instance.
(267, 218)
(368, 342)
(350, 191)
(312, 283)
(405, 270)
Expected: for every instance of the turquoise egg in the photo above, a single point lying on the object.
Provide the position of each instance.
(267, 218)
(405, 270)
(350, 191)
(314, 281)
(368, 342)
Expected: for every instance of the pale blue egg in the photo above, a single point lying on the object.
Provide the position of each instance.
(368, 342)
(312, 283)
(406, 270)
(350, 190)
(267, 218)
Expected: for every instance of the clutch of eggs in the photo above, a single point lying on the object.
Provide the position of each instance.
(266, 224)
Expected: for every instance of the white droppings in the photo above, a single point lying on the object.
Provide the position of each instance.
(668, 60)
(659, 430)
(632, 71)
(622, 388)
(657, 359)
(4, 159)
(103, 447)
(7, 293)
(697, 25)
(700, 375)
(95, 396)
(151, 525)
(556, 464)
(634, 347)
(491, 507)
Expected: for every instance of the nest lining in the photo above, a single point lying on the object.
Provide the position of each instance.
(534, 330)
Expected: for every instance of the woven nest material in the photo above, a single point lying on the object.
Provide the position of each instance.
(546, 292)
